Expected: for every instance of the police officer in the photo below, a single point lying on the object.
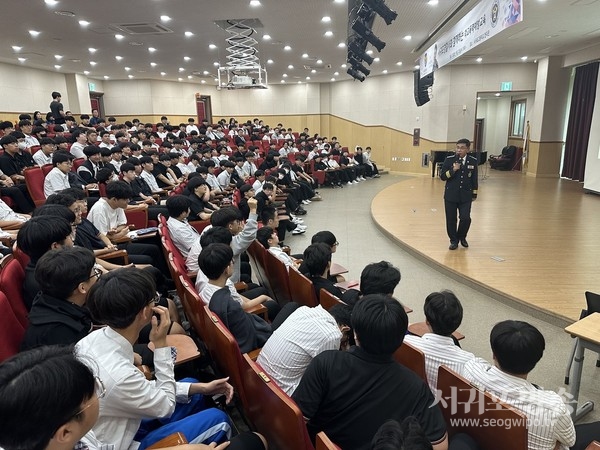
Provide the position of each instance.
(460, 174)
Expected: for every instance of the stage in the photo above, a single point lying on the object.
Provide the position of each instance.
(534, 242)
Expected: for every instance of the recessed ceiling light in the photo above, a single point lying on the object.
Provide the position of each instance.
(478, 98)
(16, 48)
(308, 78)
(313, 71)
(399, 63)
(479, 59)
(106, 77)
(151, 49)
(338, 1)
(165, 18)
(190, 77)
(369, 52)
(523, 58)
(319, 61)
(287, 48)
(59, 57)
(153, 64)
(84, 23)
(328, 33)
(266, 37)
(118, 58)
(305, 55)
(216, 80)
(408, 37)
(188, 34)
(326, 19)
(86, 72)
(130, 76)
(376, 59)
(92, 50)
(212, 46)
(186, 58)
(497, 94)
(290, 66)
(202, 81)
(269, 61)
(34, 33)
(384, 71)
(22, 59)
(343, 66)
(93, 63)
(417, 67)
(333, 79)
(119, 36)
(336, 73)
(51, 2)
(282, 81)
(254, 3)
(216, 64)
(205, 72)
(284, 75)
(299, 82)
(162, 74)
(432, 2)
(179, 79)
(342, 45)
(181, 69)
(127, 69)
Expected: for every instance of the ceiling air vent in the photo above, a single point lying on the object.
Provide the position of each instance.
(142, 28)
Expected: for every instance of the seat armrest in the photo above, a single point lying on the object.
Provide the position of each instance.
(259, 310)
(254, 354)
(240, 286)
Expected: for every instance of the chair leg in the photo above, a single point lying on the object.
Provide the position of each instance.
(570, 363)
(598, 361)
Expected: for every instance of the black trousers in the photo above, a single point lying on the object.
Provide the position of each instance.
(20, 196)
(464, 211)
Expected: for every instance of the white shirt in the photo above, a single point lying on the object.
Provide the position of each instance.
(224, 178)
(183, 235)
(41, 158)
(249, 168)
(104, 217)
(77, 150)
(7, 214)
(547, 416)
(439, 350)
(206, 290)
(31, 141)
(190, 128)
(116, 164)
(213, 182)
(150, 180)
(185, 168)
(282, 256)
(257, 186)
(129, 396)
(290, 349)
(55, 181)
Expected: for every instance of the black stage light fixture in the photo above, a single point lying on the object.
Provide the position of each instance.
(365, 13)
(382, 9)
(360, 53)
(355, 74)
(356, 65)
(365, 32)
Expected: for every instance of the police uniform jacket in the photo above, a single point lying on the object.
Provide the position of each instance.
(461, 186)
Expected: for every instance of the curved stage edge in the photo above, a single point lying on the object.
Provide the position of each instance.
(531, 241)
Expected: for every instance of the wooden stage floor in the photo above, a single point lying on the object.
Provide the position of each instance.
(535, 241)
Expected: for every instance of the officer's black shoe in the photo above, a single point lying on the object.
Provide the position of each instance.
(464, 243)
(453, 245)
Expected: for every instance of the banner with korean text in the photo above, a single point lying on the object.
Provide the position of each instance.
(486, 19)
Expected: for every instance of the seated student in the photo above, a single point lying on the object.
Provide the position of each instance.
(58, 315)
(317, 260)
(350, 394)
(147, 174)
(141, 191)
(163, 173)
(108, 216)
(376, 278)
(9, 219)
(89, 169)
(443, 316)
(247, 192)
(36, 237)
(199, 194)
(326, 237)
(124, 300)
(251, 298)
(250, 331)
(517, 347)
(58, 178)
(306, 333)
(269, 240)
(44, 154)
(182, 233)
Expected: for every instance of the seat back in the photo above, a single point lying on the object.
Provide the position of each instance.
(302, 289)
(278, 279)
(193, 306)
(34, 179)
(20, 256)
(412, 358)
(324, 443)
(593, 302)
(12, 276)
(256, 254)
(463, 401)
(11, 329)
(137, 217)
(328, 300)
(272, 412)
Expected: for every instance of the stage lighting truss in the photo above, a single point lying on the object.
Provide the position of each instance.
(382, 9)
(366, 33)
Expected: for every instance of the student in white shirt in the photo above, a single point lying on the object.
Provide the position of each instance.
(443, 316)
(182, 233)
(191, 126)
(44, 154)
(147, 175)
(80, 142)
(267, 236)
(58, 178)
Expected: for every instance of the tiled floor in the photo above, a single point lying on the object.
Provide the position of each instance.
(347, 213)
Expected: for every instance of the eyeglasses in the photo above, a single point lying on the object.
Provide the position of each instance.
(336, 243)
(99, 391)
(154, 301)
(97, 273)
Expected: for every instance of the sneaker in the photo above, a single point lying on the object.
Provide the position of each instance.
(306, 202)
(316, 198)
(362, 178)
(297, 231)
(376, 175)
(349, 183)
(301, 227)
(355, 182)
(297, 221)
